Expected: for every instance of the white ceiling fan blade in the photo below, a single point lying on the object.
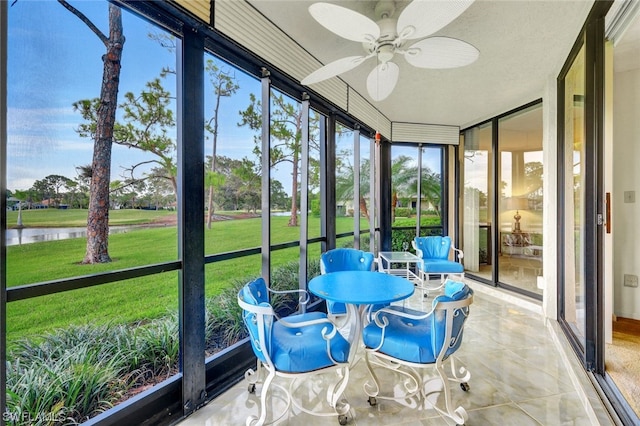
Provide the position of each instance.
(345, 22)
(424, 17)
(441, 52)
(382, 80)
(333, 68)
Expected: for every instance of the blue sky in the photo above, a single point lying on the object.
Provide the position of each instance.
(55, 60)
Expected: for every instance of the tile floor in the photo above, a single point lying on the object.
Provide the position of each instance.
(523, 372)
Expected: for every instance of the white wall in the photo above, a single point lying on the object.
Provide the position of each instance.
(626, 177)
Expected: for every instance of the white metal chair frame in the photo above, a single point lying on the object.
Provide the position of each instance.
(415, 386)
(260, 313)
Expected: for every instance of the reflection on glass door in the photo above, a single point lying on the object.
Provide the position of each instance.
(478, 196)
(520, 244)
(574, 196)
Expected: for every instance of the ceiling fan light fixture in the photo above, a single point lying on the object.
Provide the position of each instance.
(385, 53)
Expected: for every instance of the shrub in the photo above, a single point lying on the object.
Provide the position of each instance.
(403, 211)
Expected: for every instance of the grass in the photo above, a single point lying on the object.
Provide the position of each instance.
(135, 299)
(50, 218)
(75, 354)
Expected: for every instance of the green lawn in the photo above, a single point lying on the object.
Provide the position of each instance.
(44, 218)
(135, 299)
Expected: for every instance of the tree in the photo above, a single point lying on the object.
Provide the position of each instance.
(345, 182)
(224, 85)
(279, 197)
(431, 188)
(148, 119)
(403, 177)
(286, 131)
(533, 180)
(98, 215)
(249, 192)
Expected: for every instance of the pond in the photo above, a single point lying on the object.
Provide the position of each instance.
(16, 237)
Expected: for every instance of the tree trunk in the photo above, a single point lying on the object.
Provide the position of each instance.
(394, 203)
(98, 217)
(210, 210)
(363, 207)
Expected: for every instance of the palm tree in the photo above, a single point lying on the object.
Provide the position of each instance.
(402, 173)
(431, 188)
(345, 185)
(402, 177)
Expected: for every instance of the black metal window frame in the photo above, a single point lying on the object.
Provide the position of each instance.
(443, 228)
(199, 379)
(493, 241)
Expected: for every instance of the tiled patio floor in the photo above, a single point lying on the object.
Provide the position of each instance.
(522, 373)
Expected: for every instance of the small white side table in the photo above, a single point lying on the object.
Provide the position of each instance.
(391, 262)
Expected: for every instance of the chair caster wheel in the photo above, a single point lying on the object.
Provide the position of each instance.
(343, 419)
(465, 386)
(252, 388)
(373, 401)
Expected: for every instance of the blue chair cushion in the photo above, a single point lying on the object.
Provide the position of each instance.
(336, 308)
(405, 339)
(255, 292)
(434, 247)
(456, 290)
(453, 290)
(440, 266)
(420, 341)
(299, 350)
(347, 259)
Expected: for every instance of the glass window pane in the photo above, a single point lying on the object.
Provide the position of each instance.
(53, 111)
(366, 194)
(317, 124)
(574, 297)
(345, 182)
(431, 200)
(233, 182)
(285, 152)
(478, 196)
(521, 199)
(55, 80)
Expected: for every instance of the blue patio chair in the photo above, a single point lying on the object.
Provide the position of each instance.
(292, 347)
(434, 252)
(344, 259)
(409, 342)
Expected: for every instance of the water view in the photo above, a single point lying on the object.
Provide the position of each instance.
(14, 237)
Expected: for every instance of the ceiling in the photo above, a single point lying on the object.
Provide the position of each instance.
(522, 44)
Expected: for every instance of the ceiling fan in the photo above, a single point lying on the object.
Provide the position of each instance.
(391, 36)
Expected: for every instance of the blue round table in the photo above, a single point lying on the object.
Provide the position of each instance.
(361, 287)
(359, 290)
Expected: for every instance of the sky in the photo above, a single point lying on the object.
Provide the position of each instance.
(54, 60)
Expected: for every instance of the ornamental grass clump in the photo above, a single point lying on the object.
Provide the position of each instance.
(223, 319)
(66, 378)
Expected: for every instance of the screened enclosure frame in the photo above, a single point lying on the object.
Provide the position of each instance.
(201, 378)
